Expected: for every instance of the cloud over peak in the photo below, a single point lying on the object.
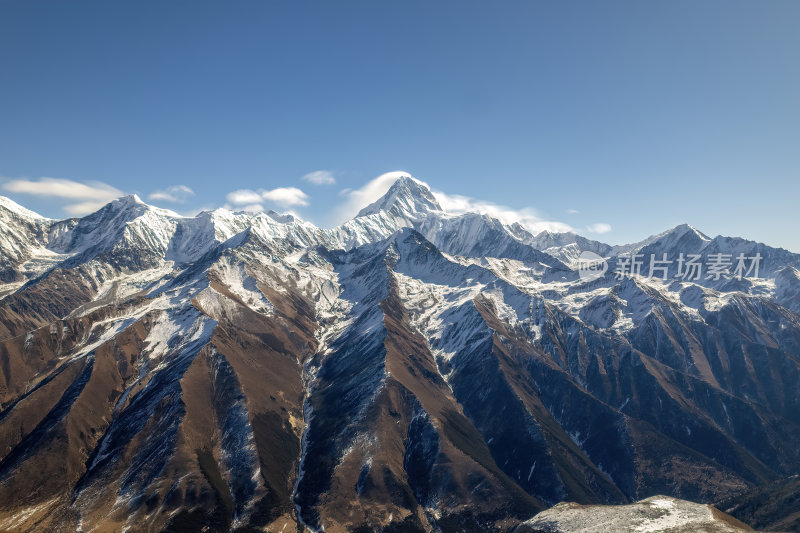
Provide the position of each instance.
(357, 199)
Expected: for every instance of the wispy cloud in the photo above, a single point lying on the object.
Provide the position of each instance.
(83, 197)
(572, 211)
(320, 177)
(282, 196)
(176, 194)
(598, 228)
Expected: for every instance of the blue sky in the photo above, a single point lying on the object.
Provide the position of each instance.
(634, 116)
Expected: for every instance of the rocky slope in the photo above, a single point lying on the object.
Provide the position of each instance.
(409, 370)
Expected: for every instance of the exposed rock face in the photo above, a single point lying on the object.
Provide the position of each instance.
(658, 514)
(410, 370)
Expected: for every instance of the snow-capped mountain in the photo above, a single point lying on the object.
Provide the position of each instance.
(407, 199)
(411, 369)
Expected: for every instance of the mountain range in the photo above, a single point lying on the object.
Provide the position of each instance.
(408, 370)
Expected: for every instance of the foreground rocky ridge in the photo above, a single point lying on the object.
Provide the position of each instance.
(410, 370)
(658, 514)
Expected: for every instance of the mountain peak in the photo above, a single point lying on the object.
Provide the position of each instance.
(682, 232)
(122, 204)
(128, 200)
(131, 203)
(407, 197)
(686, 228)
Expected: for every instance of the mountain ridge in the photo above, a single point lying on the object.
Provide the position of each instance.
(408, 200)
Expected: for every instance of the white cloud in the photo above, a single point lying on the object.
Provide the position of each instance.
(320, 177)
(286, 196)
(84, 197)
(572, 211)
(282, 196)
(598, 228)
(244, 196)
(176, 194)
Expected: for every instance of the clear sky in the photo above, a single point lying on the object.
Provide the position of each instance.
(633, 115)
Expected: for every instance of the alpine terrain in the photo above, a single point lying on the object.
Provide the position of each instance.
(408, 370)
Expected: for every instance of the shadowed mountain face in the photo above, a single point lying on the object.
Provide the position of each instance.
(410, 370)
